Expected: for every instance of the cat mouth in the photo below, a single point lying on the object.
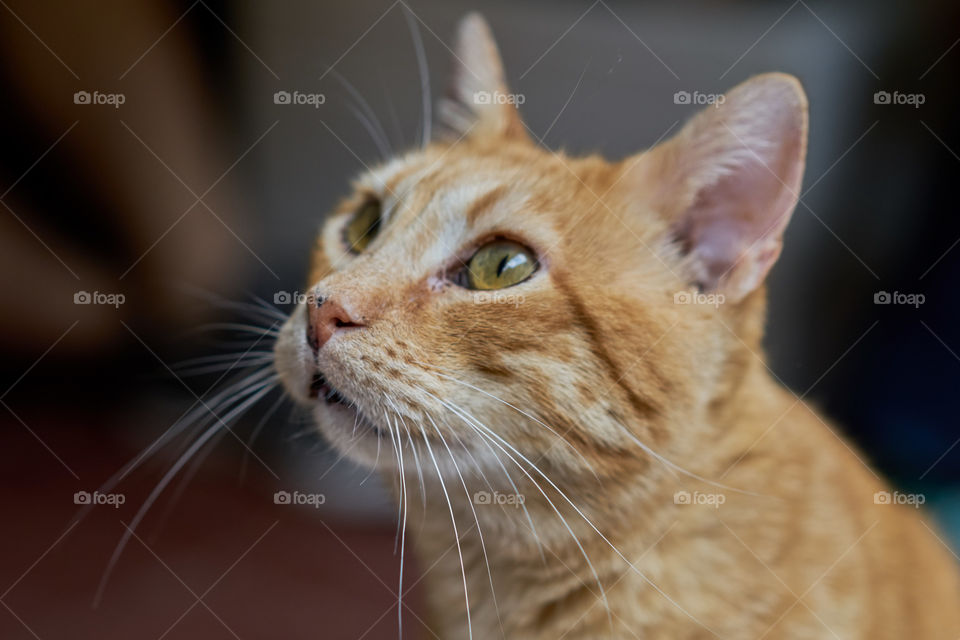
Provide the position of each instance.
(320, 388)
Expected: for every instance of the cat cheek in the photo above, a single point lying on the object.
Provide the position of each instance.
(293, 359)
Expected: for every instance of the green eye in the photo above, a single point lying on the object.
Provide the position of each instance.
(363, 226)
(498, 265)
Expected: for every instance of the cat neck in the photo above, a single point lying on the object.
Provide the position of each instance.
(572, 532)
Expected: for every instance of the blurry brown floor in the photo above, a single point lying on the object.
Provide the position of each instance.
(301, 580)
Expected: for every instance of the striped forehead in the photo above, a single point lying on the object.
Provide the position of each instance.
(431, 228)
(434, 209)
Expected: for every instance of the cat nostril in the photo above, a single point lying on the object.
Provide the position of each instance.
(323, 320)
(311, 336)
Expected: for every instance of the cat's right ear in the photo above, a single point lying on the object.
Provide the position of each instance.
(729, 181)
(477, 103)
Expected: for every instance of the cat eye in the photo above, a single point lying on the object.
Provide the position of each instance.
(363, 226)
(497, 265)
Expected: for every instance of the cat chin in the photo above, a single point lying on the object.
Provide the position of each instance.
(350, 433)
(372, 447)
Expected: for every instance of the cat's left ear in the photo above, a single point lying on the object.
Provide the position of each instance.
(478, 103)
(729, 182)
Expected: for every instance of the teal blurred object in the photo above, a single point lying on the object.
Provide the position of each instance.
(945, 507)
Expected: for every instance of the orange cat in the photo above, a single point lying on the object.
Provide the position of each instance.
(555, 361)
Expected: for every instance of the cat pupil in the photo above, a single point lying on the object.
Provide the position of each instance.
(500, 267)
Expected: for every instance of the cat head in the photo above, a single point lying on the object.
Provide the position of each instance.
(487, 298)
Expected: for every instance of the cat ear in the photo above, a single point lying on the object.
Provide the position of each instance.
(730, 180)
(477, 102)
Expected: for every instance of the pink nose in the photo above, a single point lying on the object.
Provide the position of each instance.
(325, 316)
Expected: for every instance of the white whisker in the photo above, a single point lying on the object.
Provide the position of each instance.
(416, 457)
(513, 485)
(261, 305)
(456, 534)
(518, 410)
(225, 366)
(236, 326)
(396, 453)
(424, 71)
(483, 546)
(167, 477)
(457, 412)
(367, 117)
(256, 432)
(258, 308)
(646, 448)
(376, 462)
(636, 570)
(392, 112)
(189, 418)
(403, 532)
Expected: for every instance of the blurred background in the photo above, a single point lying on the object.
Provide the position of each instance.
(148, 177)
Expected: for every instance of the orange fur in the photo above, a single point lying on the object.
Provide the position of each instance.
(617, 394)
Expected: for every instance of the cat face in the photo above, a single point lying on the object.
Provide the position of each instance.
(487, 298)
